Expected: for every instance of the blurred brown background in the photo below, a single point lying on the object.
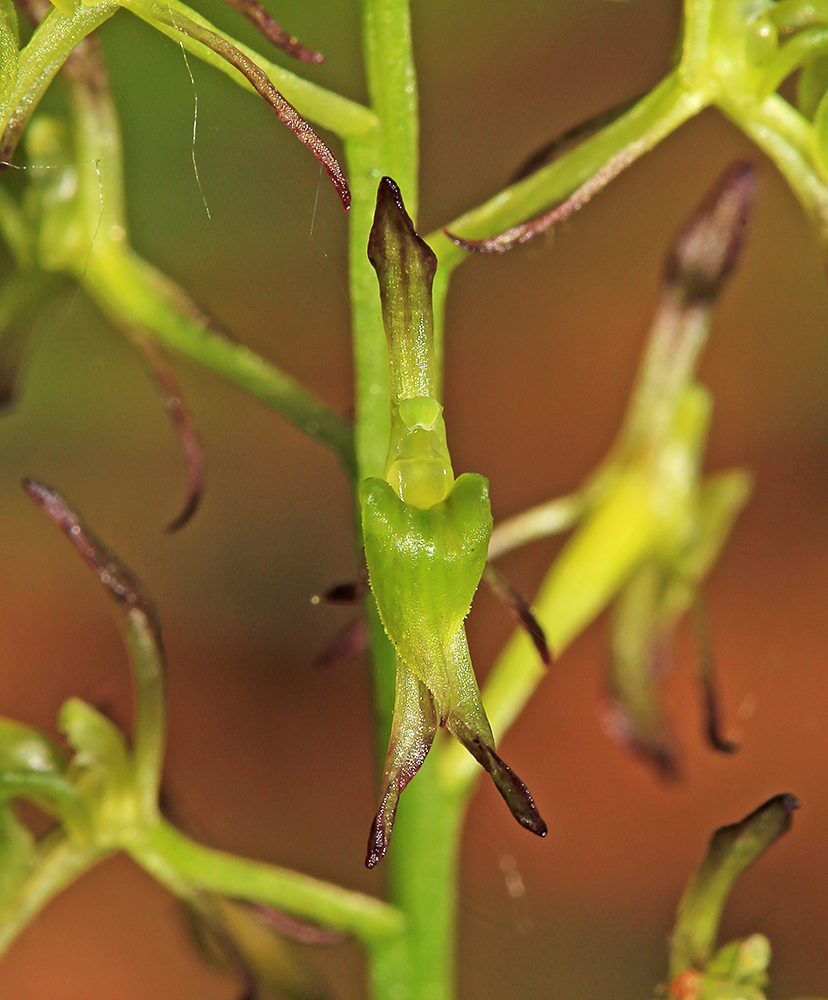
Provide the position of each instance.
(268, 755)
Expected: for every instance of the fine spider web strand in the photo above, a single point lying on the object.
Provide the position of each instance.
(315, 202)
(96, 163)
(516, 915)
(195, 118)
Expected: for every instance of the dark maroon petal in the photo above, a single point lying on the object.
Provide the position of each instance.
(182, 421)
(708, 247)
(257, 15)
(550, 151)
(297, 930)
(119, 581)
(351, 592)
(515, 794)
(705, 672)
(262, 84)
(352, 640)
(529, 230)
(656, 749)
(520, 608)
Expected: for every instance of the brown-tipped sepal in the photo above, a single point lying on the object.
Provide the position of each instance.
(123, 585)
(521, 609)
(412, 733)
(707, 249)
(515, 794)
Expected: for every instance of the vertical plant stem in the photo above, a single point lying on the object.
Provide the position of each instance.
(423, 863)
(421, 866)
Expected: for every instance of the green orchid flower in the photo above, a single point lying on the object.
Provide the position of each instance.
(650, 525)
(426, 539)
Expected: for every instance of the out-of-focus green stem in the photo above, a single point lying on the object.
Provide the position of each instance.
(548, 518)
(764, 128)
(809, 44)
(61, 862)
(146, 659)
(128, 290)
(47, 50)
(366, 918)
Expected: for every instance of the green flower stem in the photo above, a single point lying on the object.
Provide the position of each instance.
(48, 49)
(149, 674)
(765, 126)
(390, 150)
(166, 848)
(61, 862)
(372, 428)
(698, 15)
(789, 15)
(53, 793)
(129, 291)
(649, 121)
(392, 85)
(423, 864)
(324, 107)
(548, 518)
(809, 44)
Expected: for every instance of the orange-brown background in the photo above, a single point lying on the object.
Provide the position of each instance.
(268, 755)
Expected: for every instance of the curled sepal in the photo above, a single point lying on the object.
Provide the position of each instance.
(141, 631)
(274, 33)
(172, 15)
(25, 749)
(234, 936)
(575, 202)
(732, 849)
(520, 608)
(33, 767)
(412, 733)
(466, 720)
(811, 86)
(183, 424)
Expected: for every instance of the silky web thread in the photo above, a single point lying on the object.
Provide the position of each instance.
(195, 117)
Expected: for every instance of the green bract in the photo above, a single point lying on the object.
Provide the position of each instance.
(426, 539)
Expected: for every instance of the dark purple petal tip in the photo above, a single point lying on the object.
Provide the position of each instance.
(521, 609)
(117, 578)
(708, 247)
